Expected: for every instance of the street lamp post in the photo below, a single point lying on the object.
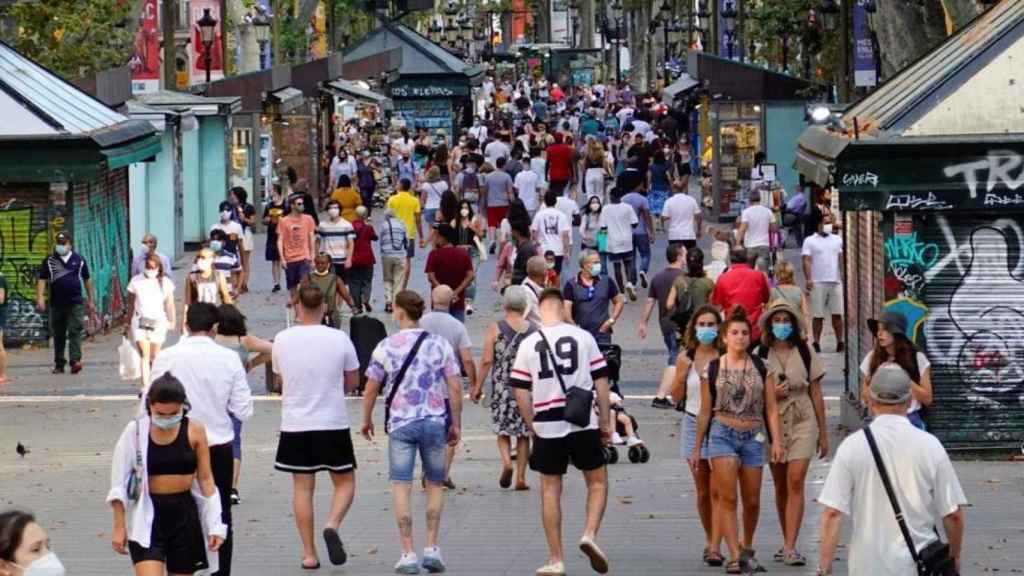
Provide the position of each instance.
(829, 10)
(729, 15)
(207, 31)
(617, 15)
(261, 26)
(574, 20)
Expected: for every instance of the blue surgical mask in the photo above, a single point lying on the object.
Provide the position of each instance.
(167, 422)
(216, 245)
(61, 250)
(595, 269)
(707, 334)
(782, 331)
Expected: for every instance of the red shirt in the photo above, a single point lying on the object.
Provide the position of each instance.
(451, 265)
(744, 286)
(560, 162)
(362, 247)
(557, 94)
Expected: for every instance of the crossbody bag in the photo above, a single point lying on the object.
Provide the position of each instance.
(400, 377)
(134, 487)
(579, 402)
(934, 559)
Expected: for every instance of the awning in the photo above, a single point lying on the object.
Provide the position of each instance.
(71, 161)
(287, 98)
(348, 89)
(132, 152)
(682, 85)
(816, 153)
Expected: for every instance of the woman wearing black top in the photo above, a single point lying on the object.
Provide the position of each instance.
(271, 215)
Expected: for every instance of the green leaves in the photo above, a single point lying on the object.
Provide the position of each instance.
(73, 37)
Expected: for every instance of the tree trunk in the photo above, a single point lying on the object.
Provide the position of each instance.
(586, 35)
(543, 22)
(167, 19)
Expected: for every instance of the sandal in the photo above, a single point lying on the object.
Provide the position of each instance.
(733, 567)
(712, 558)
(794, 558)
(522, 487)
(506, 478)
(780, 555)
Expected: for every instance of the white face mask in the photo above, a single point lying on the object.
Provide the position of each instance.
(826, 229)
(205, 265)
(48, 565)
(464, 212)
(151, 273)
(333, 212)
(225, 215)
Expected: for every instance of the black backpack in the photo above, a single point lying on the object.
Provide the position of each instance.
(713, 366)
(366, 332)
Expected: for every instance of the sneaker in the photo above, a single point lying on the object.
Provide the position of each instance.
(817, 348)
(408, 564)
(76, 366)
(643, 279)
(552, 569)
(432, 561)
(661, 403)
(494, 247)
(633, 441)
(58, 370)
(631, 292)
(681, 406)
(277, 288)
(235, 498)
(598, 561)
(616, 439)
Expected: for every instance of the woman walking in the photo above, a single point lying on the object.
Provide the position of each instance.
(151, 309)
(470, 231)
(245, 214)
(801, 418)
(661, 184)
(204, 284)
(787, 289)
(593, 237)
(500, 345)
(162, 491)
(430, 194)
(596, 169)
(700, 342)
(893, 345)
(737, 408)
(25, 547)
(272, 214)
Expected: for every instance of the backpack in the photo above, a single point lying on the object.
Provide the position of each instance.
(366, 332)
(713, 366)
(761, 351)
(470, 186)
(684, 303)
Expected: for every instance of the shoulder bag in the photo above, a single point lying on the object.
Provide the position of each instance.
(134, 488)
(579, 402)
(934, 559)
(400, 376)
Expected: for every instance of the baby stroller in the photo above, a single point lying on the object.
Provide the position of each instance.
(625, 424)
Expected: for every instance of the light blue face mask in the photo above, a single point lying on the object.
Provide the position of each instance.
(595, 269)
(782, 331)
(706, 334)
(167, 422)
(216, 245)
(61, 250)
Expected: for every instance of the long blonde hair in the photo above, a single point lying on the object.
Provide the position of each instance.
(595, 151)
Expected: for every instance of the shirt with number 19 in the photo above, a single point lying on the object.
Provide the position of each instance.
(576, 356)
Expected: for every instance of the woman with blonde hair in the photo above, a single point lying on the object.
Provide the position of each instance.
(596, 169)
(152, 311)
(787, 289)
(431, 192)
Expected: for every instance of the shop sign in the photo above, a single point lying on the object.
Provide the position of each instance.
(406, 89)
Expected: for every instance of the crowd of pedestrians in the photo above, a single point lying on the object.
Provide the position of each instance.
(742, 342)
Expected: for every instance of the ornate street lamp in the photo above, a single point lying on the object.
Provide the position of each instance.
(729, 15)
(261, 28)
(207, 32)
(467, 29)
(704, 17)
(829, 11)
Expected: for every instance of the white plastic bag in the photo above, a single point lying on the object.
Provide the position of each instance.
(130, 362)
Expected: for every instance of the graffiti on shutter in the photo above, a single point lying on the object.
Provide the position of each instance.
(101, 237)
(959, 280)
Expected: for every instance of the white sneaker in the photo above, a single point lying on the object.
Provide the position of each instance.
(408, 564)
(598, 561)
(552, 569)
(616, 439)
(633, 441)
(432, 561)
(631, 292)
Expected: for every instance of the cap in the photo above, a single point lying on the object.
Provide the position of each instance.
(296, 196)
(63, 236)
(894, 322)
(890, 385)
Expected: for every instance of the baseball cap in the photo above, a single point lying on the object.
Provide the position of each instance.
(63, 236)
(894, 322)
(890, 385)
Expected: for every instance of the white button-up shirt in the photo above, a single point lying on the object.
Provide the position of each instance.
(214, 381)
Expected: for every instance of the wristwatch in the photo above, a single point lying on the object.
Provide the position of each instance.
(611, 321)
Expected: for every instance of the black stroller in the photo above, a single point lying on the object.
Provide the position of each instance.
(637, 453)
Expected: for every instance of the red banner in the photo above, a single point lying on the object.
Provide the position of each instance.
(197, 7)
(145, 62)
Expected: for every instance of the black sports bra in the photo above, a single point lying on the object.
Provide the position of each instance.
(176, 458)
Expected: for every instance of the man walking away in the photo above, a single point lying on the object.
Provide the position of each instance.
(550, 362)
(217, 389)
(406, 207)
(823, 264)
(499, 194)
(392, 233)
(552, 229)
(661, 286)
(420, 371)
(643, 234)
(682, 217)
(450, 265)
(619, 220)
(757, 223)
(922, 478)
(66, 272)
(313, 360)
(741, 285)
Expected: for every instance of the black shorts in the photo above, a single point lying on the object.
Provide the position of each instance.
(410, 248)
(177, 537)
(315, 451)
(551, 456)
(270, 251)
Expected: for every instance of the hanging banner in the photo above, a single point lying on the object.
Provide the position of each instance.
(864, 74)
(560, 22)
(145, 61)
(198, 67)
(723, 36)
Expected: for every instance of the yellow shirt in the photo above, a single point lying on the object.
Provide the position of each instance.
(407, 209)
(349, 200)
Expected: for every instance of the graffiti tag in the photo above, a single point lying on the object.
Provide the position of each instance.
(915, 202)
(913, 282)
(993, 170)
(908, 251)
(861, 179)
(1003, 199)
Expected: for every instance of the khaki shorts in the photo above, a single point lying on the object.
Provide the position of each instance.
(826, 299)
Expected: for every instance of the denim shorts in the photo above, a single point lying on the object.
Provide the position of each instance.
(672, 343)
(688, 437)
(729, 442)
(429, 437)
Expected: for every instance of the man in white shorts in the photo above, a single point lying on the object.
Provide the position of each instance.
(822, 259)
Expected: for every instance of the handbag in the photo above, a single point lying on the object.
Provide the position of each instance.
(934, 559)
(579, 402)
(134, 488)
(400, 376)
(148, 324)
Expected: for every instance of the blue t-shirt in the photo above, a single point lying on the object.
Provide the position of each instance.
(590, 303)
(638, 202)
(65, 279)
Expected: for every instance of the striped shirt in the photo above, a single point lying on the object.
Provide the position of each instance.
(392, 238)
(334, 238)
(580, 362)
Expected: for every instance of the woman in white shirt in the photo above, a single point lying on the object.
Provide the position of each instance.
(431, 192)
(151, 309)
(167, 511)
(893, 345)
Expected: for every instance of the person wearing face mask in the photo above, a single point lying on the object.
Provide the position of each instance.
(700, 346)
(232, 229)
(204, 284)
(659, 296)
(335, 236)
(296, 242)
(342, 165)
(149, 243)
(215, 382)
(67, 273)
(225, 260)
(334, 289)
(592, 299)
(801, 417)
(151, 309)
(174, 521)
(405, 168)
(823, 265)
(25, 547)
(346, 197)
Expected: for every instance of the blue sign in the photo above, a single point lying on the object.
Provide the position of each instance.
(864, 71)
(723, 36)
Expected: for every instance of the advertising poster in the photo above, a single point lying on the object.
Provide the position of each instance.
(145, 61)
(723, 37)
(198, 67)
(864, 74)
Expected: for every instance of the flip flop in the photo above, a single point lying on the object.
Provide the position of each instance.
(522, 487)
(335, 549)
(506, 478)
(313, 567)
(598, 561)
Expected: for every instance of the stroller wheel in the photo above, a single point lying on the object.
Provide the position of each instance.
(645, 454)
(634, 454)
(611, 455)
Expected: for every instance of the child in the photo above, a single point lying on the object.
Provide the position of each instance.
(334, 289)
(623, 422)
(551, 278)
(225, 260)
